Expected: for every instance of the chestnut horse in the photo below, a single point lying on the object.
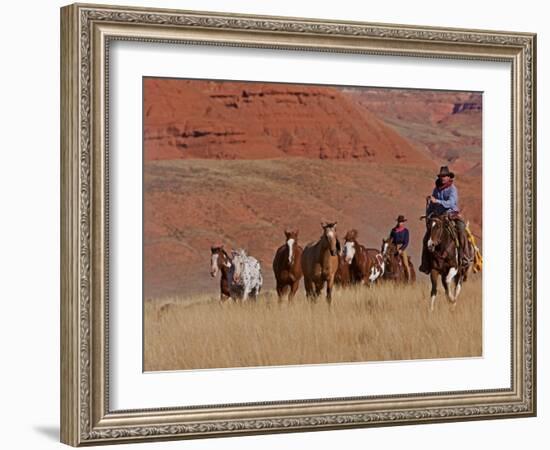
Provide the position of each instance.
(365, 265)
(393, 265)
(342, 277)
(320, 262)
(287, 266)
(221, 262)
(443, 258)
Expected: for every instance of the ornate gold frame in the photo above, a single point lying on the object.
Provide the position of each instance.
(86, 31)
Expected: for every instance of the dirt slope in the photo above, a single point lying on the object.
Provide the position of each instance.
(186, 119)
(193, 204)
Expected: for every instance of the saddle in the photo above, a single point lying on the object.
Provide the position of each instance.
(450, 226)
(471, 253)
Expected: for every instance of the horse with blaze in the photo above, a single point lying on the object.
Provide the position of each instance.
(366, 265)
(220, 262)
(287, 265)
(443, 258)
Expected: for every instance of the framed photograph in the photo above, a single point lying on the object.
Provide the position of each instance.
(276, 224)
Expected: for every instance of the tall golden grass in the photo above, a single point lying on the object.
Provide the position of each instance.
(387, 322)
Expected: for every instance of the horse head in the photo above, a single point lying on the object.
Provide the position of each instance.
(292, 241)
(350, 246)
(436, 227)
(329, 233)
(390, 256)
(218, 259)
(238, 258)
(384, 247)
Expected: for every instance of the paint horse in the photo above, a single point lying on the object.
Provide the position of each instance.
(443, 258)
(365, 265)
(320, 263)
(393, 264)
(245, 276)
(221, 262)
(287, 266)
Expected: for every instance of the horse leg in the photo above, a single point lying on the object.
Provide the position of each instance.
(446, 288)
(254, 293)
(280, 292)
(308, 283)
(223, 299)
(246, 293)
(458, 287)
(293, 290)
(318, 289)
(449, 278)
(433, 279)
(330, 283)
(458, 284)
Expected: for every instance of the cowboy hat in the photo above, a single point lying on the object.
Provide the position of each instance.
(445, 172)
(401, 218)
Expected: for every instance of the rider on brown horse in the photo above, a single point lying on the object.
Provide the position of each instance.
(444, 201)
(399, 235)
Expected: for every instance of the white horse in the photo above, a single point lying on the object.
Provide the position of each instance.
(245, 276)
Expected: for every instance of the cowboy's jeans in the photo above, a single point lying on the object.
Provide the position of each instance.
(461, 232)
(405, 260)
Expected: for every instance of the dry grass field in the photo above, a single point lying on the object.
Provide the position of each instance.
(387, 322)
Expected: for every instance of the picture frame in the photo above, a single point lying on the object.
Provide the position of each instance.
(87, 416)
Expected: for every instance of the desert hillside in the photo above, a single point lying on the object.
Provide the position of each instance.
(187, 119)
(443, 124)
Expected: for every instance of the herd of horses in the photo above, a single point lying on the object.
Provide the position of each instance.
(326, 263)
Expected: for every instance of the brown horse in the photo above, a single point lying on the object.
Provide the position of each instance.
(342, 277)
(320, 262)
(443, 258)
(393, 265)
(287, 265)
(221, 262)
(365, 265)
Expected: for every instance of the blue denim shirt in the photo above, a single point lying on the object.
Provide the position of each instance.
(447, 200)
(400, 237)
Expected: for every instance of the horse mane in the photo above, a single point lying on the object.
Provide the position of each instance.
(351, 235)
(447, 240)
(240, 251)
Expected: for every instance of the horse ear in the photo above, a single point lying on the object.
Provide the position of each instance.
(323, 224)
